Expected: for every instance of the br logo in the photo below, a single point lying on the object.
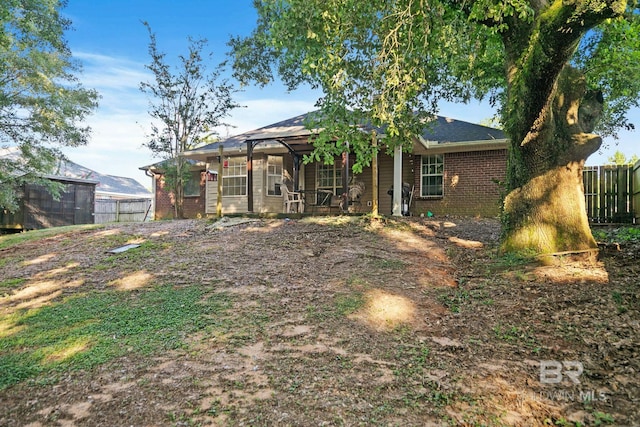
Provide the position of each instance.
(553, 371)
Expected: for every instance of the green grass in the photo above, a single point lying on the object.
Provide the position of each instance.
(8, 284)
(84, 331)
(348, 304)
(27, 236)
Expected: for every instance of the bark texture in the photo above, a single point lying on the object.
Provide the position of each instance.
(550, 116)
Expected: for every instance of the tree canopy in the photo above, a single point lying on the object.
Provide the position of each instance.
(42, 104)
(187, 105)
(556, 70)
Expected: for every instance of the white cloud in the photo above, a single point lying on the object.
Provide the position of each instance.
(121, 121)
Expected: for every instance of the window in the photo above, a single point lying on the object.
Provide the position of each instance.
(274, 175)
(192, 185)
(432, 176)
(234, 176)
(329, 178)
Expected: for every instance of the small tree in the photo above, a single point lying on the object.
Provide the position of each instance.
(620, 159)
(42, 105)
(187, 106)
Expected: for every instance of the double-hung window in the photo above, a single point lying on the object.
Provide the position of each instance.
(432, 176)
(234, 176)
(274, 175)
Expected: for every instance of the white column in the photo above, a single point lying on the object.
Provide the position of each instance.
(397, 181)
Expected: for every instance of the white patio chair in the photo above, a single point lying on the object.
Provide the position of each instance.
(291, 199)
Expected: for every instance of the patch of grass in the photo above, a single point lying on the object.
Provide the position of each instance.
(516, 259)
(133, 256)
(389, 264)
(348, 304)
(620, 235)
(27, 236)
(84, 331)
(453, 300)
(516, 335)
(9, 284)
(620, 302)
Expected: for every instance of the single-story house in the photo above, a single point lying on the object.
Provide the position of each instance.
(453, 169)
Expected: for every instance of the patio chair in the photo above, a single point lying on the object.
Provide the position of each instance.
(291, 199)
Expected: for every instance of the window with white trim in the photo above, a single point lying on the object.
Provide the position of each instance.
(432, 176)
(274, 175)
(234, 176)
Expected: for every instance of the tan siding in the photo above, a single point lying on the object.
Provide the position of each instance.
(211, 189)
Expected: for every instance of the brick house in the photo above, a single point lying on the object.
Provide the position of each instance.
(454, 168)
(194, 192)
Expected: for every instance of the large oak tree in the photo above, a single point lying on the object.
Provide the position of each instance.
(557, 71)
(42, 104)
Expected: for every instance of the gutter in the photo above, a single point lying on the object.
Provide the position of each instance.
(435, 147)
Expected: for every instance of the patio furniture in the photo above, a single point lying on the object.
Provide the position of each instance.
(291, 199)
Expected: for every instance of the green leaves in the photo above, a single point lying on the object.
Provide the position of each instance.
(381, 65)
(187, 105)
(41, 104)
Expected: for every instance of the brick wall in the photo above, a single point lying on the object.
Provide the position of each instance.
(469, 187)
(194, 206)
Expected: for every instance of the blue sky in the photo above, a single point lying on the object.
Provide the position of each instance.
(111, 43)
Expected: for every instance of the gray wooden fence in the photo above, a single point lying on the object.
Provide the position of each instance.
(610, 193)
(128, 210)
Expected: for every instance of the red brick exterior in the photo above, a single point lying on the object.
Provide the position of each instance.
(470, 187)
(194, 206)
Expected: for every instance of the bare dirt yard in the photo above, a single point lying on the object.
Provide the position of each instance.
(314, 322)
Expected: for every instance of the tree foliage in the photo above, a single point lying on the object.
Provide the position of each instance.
(42, 104)
(620, 159)
(187, 105)
(557, 71)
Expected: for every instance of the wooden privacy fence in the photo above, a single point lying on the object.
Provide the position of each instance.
(128, 210)
(611, 192)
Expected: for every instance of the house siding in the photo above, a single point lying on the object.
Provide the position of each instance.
(470, 187)
(193, 206)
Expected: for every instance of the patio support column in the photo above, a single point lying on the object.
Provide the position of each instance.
(250, 176)
(397, 181)
(296, 171)
(374, 175)
(345, 180)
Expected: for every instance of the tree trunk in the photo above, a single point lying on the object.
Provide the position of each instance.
(548, 213)
(544, 211)
(549, 116)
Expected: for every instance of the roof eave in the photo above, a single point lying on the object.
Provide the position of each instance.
(434, 147)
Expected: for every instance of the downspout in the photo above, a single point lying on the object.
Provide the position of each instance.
(152, 175)
(249, 176)
(397, 181)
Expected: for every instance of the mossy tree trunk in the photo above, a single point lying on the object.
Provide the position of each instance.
(550, 115)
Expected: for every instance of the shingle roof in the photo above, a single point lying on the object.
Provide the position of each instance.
(440, 130)
(445, 129)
